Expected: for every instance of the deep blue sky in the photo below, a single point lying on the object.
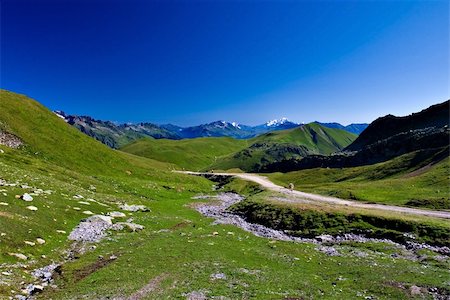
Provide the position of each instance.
(191, 62)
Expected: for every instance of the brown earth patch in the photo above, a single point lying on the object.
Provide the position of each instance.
(88, 270)
(150, 287)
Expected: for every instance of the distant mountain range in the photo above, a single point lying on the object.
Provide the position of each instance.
(425, 133)
(117, 135)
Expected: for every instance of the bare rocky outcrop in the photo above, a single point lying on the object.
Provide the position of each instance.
(10, 140)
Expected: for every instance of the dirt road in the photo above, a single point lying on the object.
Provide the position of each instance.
(301, 196)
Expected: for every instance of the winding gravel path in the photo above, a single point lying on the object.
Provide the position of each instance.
(302, 197)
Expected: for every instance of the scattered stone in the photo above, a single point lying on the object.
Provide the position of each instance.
(84, 202)
(19, 256)
(134, 208)
(195, 295)
(32, 289)
(220, 276)
(45, 274)
(100, 218)
(31, 207)
(415, 290)
(40, 241)
(325, 238)
(215, 233)
(328, 250)
(26, 197)
(6, 273)
(88, 212)
(61, 231)
(77, 208)
(218, 211)
(30, 243)
(117, 214)
(10, 140)
(2, 151)
(4, 203)
(92, 229)
(131, 226)
(24, 186)
(78, 197)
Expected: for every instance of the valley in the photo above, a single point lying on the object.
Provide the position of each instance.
(81, 220)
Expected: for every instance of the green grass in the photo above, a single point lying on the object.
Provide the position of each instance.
(317, 138)
(191, 154)
(391, 182)
(177, 242)
(286, 144)
(311, 223)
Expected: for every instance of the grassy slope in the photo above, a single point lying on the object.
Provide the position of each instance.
(317, 138)
(291, 143)
(49, 138)
(191, 154)
(177, 243)
(389, 182)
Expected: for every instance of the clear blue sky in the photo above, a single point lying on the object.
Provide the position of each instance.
(191, 62)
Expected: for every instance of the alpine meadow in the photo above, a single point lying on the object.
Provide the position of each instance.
(224, 150)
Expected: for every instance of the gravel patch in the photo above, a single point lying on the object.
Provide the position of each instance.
(218, 211)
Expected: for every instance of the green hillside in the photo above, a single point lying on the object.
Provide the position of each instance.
(191, 154)
(281, 145)
(48, 138)
(317, 138)
(418, 179)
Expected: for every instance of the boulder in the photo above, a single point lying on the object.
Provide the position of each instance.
(134, 208)
(19, 256)
(26, 197)
(131, 226)
(117, 214)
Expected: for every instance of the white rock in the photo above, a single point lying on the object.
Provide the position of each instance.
(26, 197)
(60, 231)
(84, 202)
(132, 226)
(30, 243)
(34, 208)
(88, 212)
(4, 203)
(117, 214)
(19, 256)
(40, 241)
(134, 208)
(103, 218)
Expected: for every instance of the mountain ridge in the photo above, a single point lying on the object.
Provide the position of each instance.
(117, 135)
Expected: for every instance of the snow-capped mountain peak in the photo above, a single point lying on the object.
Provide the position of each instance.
(277, 122)
(223, 124)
